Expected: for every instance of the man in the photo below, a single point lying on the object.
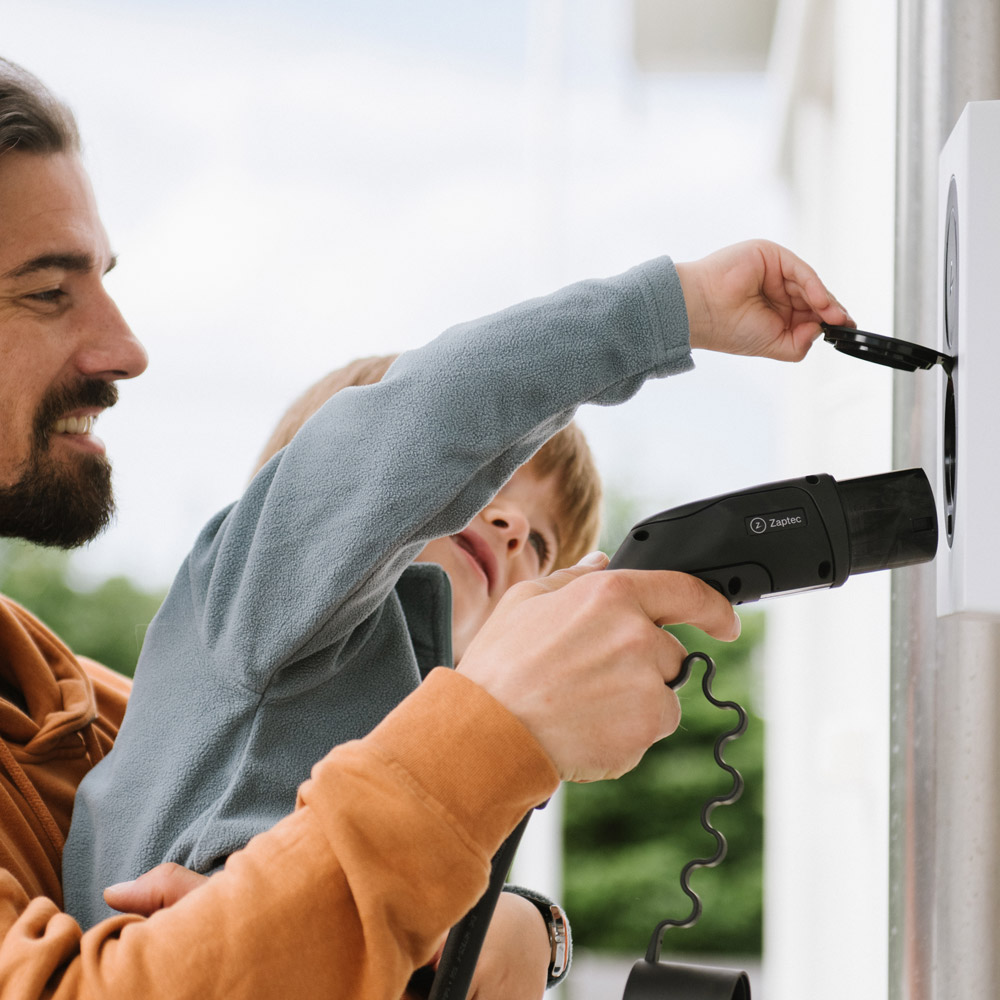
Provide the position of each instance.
(391, 839)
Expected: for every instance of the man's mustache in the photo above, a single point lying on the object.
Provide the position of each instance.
(62, 400)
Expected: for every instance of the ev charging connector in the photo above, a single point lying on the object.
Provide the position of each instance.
(790, 536)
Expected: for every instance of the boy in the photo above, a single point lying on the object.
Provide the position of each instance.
(293, 594)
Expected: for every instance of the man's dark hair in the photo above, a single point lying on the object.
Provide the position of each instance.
(32, 118)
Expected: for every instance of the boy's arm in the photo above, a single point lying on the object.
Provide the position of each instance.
(320, 537)
(322, 534)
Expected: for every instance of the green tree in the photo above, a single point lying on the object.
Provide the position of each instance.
(627, 840)
(106, 622)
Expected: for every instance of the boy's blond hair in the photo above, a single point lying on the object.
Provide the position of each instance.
(566, 455)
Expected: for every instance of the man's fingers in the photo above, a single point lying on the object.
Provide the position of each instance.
(588, 640)
(665, 597)
(588, 564)
(670, 598)
(160, 887)
(672, 657)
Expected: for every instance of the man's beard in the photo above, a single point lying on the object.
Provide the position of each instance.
(64, 503)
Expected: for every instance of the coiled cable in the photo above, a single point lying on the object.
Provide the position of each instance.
(653, 951)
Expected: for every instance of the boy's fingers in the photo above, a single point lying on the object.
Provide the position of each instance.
(824, 303)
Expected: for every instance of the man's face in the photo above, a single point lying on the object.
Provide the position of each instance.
(514, 538)
(63, 343)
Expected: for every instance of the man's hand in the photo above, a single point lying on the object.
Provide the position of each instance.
(159, 888)
(514, 962)
(580, 658)
(757, 298)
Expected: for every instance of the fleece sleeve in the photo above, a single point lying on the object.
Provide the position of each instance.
(389, 846)
(381, 470)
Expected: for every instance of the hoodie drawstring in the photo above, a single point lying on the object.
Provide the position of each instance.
(31, 796)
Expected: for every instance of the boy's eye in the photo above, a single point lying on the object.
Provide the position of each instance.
(541, 547)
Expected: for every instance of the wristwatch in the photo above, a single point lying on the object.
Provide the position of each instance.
(558, 927)
(557, 924)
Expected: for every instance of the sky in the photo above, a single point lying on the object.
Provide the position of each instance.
(290, 189)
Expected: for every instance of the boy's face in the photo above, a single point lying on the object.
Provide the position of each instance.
(514, 538)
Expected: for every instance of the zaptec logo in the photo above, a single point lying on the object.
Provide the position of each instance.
(780, 520)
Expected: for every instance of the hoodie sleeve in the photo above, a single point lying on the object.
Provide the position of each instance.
(344, 898)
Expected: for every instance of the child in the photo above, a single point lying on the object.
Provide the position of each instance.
(546, 517)
(303, 614)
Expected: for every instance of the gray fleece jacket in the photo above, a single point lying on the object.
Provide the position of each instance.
(299, 619)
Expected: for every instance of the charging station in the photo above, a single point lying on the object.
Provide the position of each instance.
(968, 472)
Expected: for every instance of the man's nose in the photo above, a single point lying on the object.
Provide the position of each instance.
(108, 348)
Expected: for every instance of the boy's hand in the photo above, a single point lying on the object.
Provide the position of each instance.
(580, 658)
(757, 298)
(159, 888)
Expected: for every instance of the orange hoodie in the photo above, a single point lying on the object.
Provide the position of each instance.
(386, 850)
(68, 721)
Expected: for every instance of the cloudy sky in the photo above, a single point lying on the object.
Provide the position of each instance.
(288, 190)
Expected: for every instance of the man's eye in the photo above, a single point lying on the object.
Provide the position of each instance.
(50, 297)
(541, 547)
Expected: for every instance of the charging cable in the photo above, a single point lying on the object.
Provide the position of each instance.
(651, 979)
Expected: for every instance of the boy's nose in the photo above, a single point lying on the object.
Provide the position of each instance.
(512, 525)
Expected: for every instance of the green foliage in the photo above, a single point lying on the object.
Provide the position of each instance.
(106, 622)
(626, 841)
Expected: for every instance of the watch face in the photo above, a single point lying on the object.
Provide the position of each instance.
(559, 940)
